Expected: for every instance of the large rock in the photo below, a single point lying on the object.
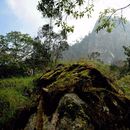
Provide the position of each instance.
(78, 97)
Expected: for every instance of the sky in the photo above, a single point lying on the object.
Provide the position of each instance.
(23, 16)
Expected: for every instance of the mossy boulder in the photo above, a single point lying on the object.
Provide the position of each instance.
(78, 97)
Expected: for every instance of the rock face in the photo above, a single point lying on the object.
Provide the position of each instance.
(78, 97)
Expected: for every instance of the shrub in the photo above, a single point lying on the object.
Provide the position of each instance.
(15, 93)
(124, 84)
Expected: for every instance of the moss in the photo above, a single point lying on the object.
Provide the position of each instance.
(84, 73)
(78, 96)
(66, 76)
(76, 76)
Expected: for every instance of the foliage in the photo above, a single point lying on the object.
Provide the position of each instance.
(19, 45)
(55, 42)
(18, 83)
(94, 56)
(15, 93)
(127, 53)
(22, 55)
(124, 84)
(10, 101)
(40, 56)
(10, 70)
(108, 21)
(15, 47)
(59, 11)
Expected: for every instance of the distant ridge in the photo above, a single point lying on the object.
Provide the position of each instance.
(109, 45)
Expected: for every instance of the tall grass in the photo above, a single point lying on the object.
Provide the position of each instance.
(10, 101)
(124, 84)
(14, 95)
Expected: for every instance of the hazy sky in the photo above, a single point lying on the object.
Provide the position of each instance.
(22, 15)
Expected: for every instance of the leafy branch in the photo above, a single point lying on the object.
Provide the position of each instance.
(108, 17)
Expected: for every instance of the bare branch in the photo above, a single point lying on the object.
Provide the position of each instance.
(116, 10)
(122, 8)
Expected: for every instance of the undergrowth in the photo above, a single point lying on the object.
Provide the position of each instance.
(15, 93)
(124, 84)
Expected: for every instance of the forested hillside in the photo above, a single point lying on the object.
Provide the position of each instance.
(108, 46)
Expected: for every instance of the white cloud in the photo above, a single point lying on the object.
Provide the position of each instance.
(26, 11)
(31, 18)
